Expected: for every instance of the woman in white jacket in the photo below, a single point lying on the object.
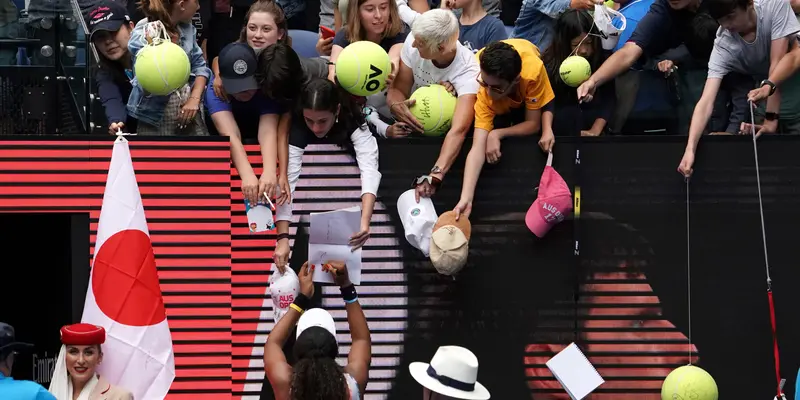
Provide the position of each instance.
(329, 115)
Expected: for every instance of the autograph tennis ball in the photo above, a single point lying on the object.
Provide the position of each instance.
(689, 382)
(434, 109)
(575, 70)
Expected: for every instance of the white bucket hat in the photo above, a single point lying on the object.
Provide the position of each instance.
(453, 372)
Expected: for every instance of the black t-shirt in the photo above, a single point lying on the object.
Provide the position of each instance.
(664, 28)
(341, 40)
(570, 117)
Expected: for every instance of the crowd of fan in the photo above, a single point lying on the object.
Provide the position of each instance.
(247, 82)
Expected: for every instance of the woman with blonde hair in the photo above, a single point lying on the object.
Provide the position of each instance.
(75, 375)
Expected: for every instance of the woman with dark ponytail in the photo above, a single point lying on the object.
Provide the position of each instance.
(315, 374)
(327, 115)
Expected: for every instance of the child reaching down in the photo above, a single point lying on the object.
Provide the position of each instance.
(177, 113)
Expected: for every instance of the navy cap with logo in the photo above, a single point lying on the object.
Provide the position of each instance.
(237, 68)
(8, 341)
(106, 16)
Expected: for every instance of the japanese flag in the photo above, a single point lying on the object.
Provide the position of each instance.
(124, 296)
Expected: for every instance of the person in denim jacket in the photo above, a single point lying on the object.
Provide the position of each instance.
(179, 112)
(537, 18)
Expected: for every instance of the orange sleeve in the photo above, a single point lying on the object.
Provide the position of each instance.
(538, 92)
(484, 115)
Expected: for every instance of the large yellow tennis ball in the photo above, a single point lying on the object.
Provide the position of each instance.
(434, 108)
(575, 70)
(362, 68)
(689, 382)
(162, 68)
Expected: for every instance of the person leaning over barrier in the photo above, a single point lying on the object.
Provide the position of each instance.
(10, 388)
(315, 373)
(432, 54)
(514, 90)
(752, 40)
(248, 114)
(111, 27)
(328, 115)
(667, 25)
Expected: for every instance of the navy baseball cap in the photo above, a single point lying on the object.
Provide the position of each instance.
(8, 340)
(106, 16)
(237, 68)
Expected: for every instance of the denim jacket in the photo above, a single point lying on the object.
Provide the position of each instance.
(150, 108)
(536, 21)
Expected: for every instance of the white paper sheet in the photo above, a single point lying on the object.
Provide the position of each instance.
(575, 373)
(329, 238)
(335, 227)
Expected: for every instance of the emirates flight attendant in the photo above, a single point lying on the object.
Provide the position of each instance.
(75, 374)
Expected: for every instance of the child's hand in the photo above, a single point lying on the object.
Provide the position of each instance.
(188, 112)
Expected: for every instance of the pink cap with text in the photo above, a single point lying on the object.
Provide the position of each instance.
(552, 204)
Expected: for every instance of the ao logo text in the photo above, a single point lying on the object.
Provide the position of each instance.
(552, 213)
(285, 300)
(372, 83)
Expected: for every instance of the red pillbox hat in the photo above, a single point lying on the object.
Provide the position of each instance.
(82, 335)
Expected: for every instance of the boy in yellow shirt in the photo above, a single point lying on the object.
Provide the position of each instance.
(514, 90)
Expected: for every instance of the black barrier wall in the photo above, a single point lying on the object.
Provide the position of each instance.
(623, 295)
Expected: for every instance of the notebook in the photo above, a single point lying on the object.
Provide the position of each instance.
(575, 373)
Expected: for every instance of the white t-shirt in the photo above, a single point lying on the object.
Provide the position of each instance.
(462, 73)
(731, 53)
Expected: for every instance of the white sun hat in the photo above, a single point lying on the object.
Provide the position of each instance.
(453, 372)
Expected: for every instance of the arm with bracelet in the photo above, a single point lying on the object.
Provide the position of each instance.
(276, 368)
(360, 357)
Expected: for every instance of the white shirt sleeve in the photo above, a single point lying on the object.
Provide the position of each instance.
(406, 13)
(373, 119)
(366, 148)
(284, 212)
(408, 54)
(466, 80)
(784, 21)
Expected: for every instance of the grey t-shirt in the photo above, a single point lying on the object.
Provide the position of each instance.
(326, 13)
(732, 54)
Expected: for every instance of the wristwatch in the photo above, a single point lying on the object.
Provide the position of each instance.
(436, 170)
(769, 83)
(771, 116)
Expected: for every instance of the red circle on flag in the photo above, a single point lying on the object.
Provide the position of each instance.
(125, 280)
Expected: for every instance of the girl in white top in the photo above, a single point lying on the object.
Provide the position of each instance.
(328, 115)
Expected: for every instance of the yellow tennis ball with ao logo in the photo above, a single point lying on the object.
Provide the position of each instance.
(162, 68)
(362, 68)
(434, 109)
(575, 70)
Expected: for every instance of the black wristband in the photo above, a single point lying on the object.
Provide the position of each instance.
(302, 301)
(349, 292)
(282, 236)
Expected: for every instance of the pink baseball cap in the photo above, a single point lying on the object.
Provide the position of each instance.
(552, 204)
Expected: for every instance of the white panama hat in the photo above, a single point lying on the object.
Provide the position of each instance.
(453, 372)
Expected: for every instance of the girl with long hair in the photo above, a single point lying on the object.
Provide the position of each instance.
(315, 374)
(329, 115)
(265, 25)
(374, 20)
(179, 112)
(576, 34)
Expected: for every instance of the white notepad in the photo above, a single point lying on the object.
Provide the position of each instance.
(575, 373)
